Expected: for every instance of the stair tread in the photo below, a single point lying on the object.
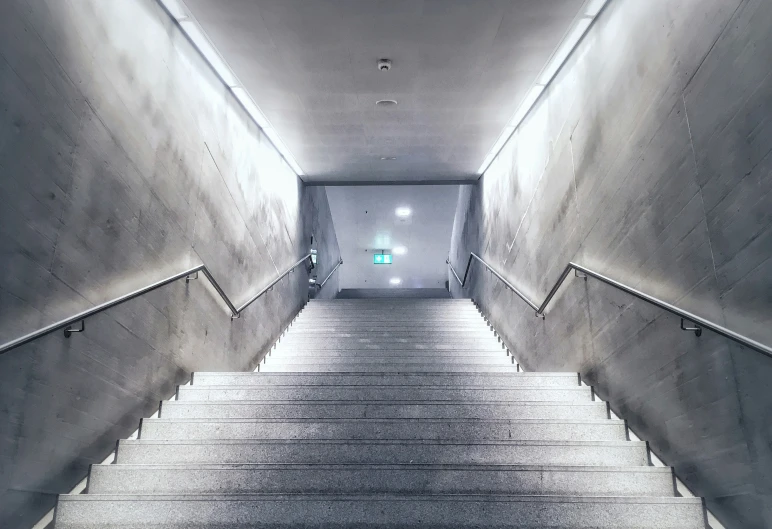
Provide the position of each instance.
(364, 420)
(391, 466)
(577, 389)
(326, 403)
(372, 374)
(391, 497)
(422, 442)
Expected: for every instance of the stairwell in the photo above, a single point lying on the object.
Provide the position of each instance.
(382, 413)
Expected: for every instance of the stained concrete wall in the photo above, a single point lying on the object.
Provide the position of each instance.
(123, 159)
(648, 160)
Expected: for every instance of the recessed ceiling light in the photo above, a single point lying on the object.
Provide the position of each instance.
(386, 103)
(399, 250)
(395, 281)
(403, 212)
(388, 158)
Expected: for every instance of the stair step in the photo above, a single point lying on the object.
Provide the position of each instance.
(398, 317)
(467, 430)
(398, 344)
(381, 409)
(371, 479)
(488, 380)
(430, 350)
(372, 392)
(566, 453)
(427, 367)
(375, 359)
(407, 326)
(375, 511)
(395, 313)
(450, 333)
(383, 302)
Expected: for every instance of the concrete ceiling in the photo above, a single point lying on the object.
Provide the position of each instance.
(460, 69)
(365, 222)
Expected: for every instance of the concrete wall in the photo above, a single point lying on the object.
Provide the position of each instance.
(316, 208)
(648, 159)
(123, 159)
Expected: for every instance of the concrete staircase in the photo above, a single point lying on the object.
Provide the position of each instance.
(382, 413)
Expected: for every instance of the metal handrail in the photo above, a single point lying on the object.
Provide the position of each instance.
(189, 274)
(698, 321)
(321, 285)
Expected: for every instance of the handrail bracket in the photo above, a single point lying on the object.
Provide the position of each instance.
(696, 328)
(69, 331)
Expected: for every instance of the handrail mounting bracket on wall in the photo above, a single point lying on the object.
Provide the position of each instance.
(69, 331)
(696, 328)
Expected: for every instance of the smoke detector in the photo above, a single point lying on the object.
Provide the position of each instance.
(384, 65)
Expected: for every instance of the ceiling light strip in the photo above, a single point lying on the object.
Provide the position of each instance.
(588, 14)
(195, 33)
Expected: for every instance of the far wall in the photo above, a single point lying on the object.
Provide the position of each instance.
(648, 160)
(365, 222)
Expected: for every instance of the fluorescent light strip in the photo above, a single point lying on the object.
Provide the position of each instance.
(207, 49)
(564, 50)
(590, 10)
(249, 104)
(176, 9)
(530, 100)
(195, 33)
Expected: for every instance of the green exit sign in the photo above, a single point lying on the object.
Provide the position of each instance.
(382, 258)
